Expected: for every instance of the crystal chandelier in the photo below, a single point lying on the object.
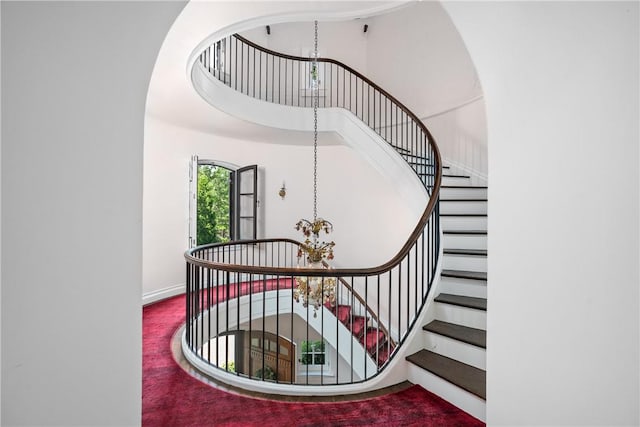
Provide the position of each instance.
(315, 290)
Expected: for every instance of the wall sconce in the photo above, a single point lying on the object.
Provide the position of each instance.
(283, 191)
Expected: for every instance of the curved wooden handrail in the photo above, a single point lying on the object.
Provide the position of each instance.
(402, 253)
(415, 142)
(265, 270)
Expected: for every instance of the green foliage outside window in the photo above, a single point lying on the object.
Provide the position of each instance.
(213, 205)
(231, 367)
(266, 374)
(312, 353)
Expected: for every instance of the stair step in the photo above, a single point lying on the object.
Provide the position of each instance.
(472, 336)
(374, 339)
(384, 353)
(460, 239)
(445, 175)
(463, 223)
(466, 287)
(343, 313)
(473, 275)
(463, 191)
(455, 181)
(463, 301)
(470, 252)
(470, 187)
(464, 232)
(462, 375)
(426, 164)
(463, 199)
(465, 260)
(357, 325)
(463, 206)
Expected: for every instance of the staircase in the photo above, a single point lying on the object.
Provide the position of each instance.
(453, 361)
(374, 339)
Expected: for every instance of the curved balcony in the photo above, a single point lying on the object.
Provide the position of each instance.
(244, 320)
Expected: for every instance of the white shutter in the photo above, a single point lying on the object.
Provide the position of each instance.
(193, 201)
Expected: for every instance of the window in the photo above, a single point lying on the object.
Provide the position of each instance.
(213, 204)
(313, 355)
(222, 203)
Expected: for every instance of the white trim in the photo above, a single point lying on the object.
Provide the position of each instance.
(221, 163)
(162, 294)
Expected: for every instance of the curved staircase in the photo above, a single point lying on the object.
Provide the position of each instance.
(452, 360)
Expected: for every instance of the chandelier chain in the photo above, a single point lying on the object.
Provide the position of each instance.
(315, 126)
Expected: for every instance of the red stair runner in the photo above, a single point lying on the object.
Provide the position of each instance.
(374, 339)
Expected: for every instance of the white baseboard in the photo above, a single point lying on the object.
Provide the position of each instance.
(161, 294)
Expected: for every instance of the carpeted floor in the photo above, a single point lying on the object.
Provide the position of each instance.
(172, 397)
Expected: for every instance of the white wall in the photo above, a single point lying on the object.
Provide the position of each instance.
(561, 87)
(461, 135)
(341, 40)
(74, 79)
(417, 54)
(357, 199)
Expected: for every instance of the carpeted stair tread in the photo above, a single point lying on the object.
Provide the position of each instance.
(383, 354)
(461, 274)
(472, 252)
(343, 313)
(463, 301)
(464, 376)
(356, 325)
(373, 339)
(472, 336)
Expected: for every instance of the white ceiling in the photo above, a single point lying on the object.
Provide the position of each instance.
(171, 97)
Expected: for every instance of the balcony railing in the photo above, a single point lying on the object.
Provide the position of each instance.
(242, 315)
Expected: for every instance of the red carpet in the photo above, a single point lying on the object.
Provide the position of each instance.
(171, 397)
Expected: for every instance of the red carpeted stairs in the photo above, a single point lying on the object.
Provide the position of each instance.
(373, 339)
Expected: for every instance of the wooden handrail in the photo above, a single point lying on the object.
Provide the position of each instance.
(265, 270)
(402, 253)
(404, 280)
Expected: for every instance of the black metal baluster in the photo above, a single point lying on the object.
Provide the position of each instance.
(264, 311)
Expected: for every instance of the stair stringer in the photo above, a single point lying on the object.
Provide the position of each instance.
(355, 134)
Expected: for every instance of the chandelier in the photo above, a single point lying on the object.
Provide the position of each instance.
(315, 290)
